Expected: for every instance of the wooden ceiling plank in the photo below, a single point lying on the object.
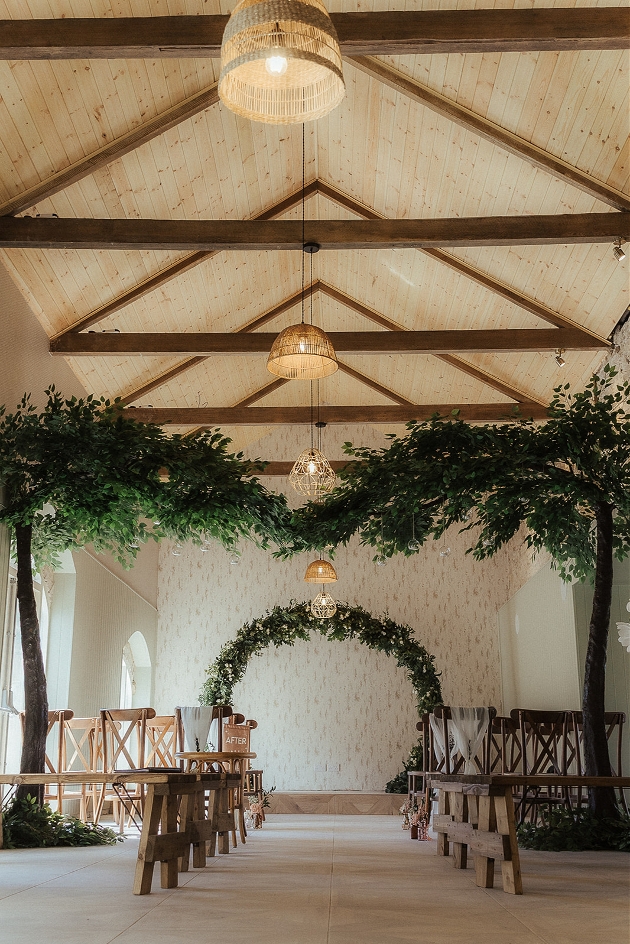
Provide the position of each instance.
(162, 379)
(364, 379)
(382, 33)
(268, 235)
(494, 285)
(301, 415)
(352, 303)
(112, 151)
(262, 392)
(492, 132)
(490, 381)
(355, 342)
(176, 269)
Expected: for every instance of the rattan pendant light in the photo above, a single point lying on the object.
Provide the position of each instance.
(323, 606)
(280, 61)
(320, 571)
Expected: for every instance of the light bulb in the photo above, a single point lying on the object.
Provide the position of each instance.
(414, 545)
(312, 468)
(276, 65)
(177, 551)
(445, 551)
(381, 561)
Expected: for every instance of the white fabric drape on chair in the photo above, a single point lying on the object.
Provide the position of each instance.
(196, 724)
(469, 726)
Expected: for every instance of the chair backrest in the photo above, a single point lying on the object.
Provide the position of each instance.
(448, 735)
(162, 742)
(542, 737)
(614, 721)
(505, 750)
(54, 732)
(123, 737)
(213, 733)
(79, 744)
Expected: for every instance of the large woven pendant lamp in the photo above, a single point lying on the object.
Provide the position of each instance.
(302, 352)
(320, 571)
(280, 61)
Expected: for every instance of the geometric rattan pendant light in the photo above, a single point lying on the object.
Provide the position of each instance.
(323, 606)
(280, 61)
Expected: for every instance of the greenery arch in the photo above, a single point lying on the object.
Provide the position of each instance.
(284, 625)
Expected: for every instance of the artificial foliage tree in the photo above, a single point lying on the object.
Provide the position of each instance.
(565, 483)
(81, 472)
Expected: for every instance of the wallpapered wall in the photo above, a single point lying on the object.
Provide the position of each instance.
(334, 705)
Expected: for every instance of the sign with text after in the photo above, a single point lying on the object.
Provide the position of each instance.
(236, 738)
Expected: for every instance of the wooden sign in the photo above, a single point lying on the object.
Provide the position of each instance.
(236, 738)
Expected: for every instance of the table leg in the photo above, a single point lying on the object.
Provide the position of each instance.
(168, 867)
(444, 809)
(506, 826)
(150, 824)
(460, 815)
(487, 822)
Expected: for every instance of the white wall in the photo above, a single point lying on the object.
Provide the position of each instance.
(539, 661)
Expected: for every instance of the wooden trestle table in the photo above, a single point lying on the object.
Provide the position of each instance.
(477, 811)
(174, 816)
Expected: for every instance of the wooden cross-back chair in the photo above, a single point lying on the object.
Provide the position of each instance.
(122, 746)
(162, 743)
(219, 712)
(453, 761)
(57, 718)
(574, 749)
(79, 754)
(542, 736)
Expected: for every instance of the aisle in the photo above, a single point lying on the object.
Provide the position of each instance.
(312, 880)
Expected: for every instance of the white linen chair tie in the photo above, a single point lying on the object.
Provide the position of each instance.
(469, 726)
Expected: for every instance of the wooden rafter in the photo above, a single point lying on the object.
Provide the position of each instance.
(259, 235)
(383, 33)
(354, 342)
(332, 415)
(492, 132)
(457, 362)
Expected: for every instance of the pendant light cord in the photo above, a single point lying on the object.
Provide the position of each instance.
(303, 202)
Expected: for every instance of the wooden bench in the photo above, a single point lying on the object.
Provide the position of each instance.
(175, 819)
(477, 812)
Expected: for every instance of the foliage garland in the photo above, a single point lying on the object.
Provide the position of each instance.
(284, 625)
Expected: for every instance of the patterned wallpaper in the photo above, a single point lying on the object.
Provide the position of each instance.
(335, 705)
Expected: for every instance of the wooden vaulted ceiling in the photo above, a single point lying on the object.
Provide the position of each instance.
(466, 195)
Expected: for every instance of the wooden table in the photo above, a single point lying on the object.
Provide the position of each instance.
(233, 763)
(174, 820)
(477, 811)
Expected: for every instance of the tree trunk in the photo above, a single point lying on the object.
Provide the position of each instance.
(35, 696)
(596, 757)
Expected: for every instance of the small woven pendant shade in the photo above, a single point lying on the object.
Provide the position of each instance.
(303, 81)
(323, 606)
(302, 352)
(312, 474)
(320, 571)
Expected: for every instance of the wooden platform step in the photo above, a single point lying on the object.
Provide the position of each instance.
(343, 803)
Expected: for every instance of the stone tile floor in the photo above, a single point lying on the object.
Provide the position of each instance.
(312, 880)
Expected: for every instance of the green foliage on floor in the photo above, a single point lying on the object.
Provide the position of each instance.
(399, 783)
(26, 825)
(564, 830)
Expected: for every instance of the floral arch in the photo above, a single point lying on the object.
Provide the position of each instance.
(284, 625)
